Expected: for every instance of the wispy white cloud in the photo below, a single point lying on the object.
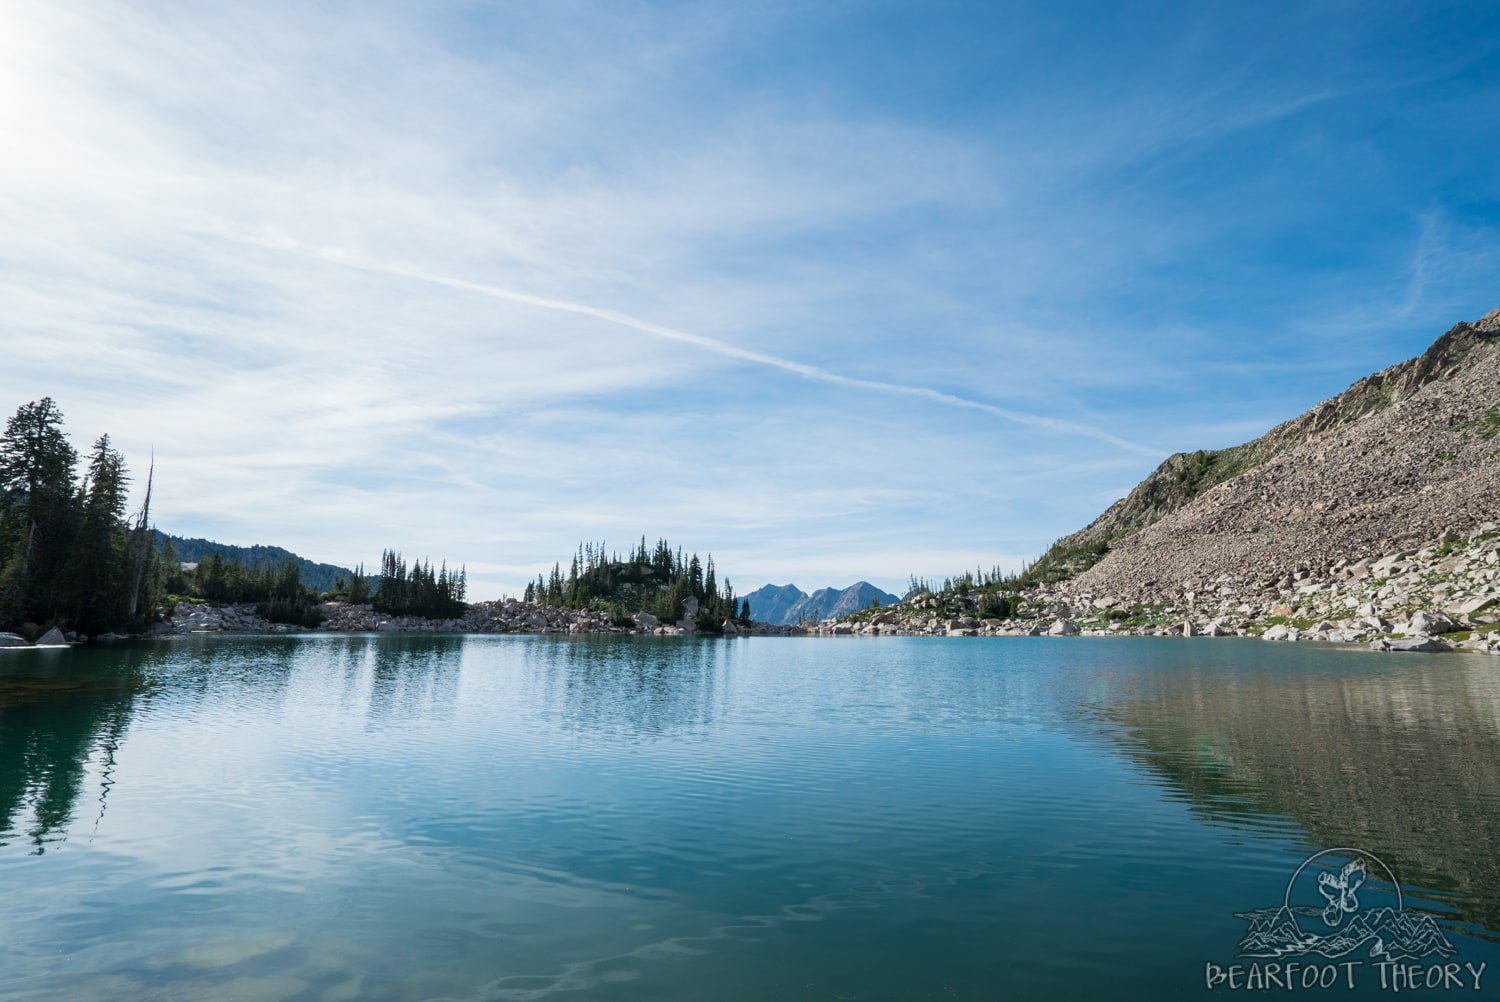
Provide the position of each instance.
(715, 346)
(476, 285)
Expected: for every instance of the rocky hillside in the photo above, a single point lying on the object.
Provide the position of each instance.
(1336, 475)
(1370, 518)
(1391, 463)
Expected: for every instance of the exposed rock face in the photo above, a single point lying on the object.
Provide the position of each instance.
(1392, 463)
(1395, 458)
(1366, 519)
(12, 640)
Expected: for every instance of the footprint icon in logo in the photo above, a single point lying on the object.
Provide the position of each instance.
(1339, 891)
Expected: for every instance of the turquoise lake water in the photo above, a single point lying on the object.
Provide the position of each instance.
(388, 817)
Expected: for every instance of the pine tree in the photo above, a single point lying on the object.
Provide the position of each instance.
(38, 510)
(99, 559)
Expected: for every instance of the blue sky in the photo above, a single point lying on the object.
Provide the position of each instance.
(832, 291)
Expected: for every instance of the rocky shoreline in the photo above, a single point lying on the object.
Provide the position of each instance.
(507, 616)
(1440, 597)
(1444, 596)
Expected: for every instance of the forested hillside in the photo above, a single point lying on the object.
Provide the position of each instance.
(322, 577)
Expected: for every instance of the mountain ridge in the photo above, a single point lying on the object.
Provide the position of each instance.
(1372, 517)
(785, 605)
(192, 549)
(1185, 476)
(1394, 461)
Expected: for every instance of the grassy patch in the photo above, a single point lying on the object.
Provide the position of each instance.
(1488, 425)
(1298, 623)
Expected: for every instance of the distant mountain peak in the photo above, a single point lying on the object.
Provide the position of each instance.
(784, 605)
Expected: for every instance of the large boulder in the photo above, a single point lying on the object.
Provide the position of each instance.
(646, 621)
(1425, 623)
(12, 640)
(1478, 604)
(53, 638)
(1419, 643)
(1062, 628)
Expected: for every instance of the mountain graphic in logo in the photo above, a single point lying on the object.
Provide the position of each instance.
(1341, 926)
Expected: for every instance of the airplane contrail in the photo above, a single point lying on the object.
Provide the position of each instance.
(713, 345)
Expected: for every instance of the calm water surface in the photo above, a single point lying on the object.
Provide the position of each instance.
(340, 817)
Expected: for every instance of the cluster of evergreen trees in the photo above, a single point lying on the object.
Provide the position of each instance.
(991, 593)
(281, 596)
(658, 581)
(276, 588)
(69, 557)
(997, 593)
(418, 590)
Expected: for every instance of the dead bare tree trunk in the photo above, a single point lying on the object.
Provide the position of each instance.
(141, 542)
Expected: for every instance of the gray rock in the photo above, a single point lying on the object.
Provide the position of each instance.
(1419, 643)
(12, 640)
(53, 638)
(1428, 623)
(646, 621)
(1476, 605)
(1062, 628)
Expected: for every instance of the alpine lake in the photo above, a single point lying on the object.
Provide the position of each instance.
(351, 816)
